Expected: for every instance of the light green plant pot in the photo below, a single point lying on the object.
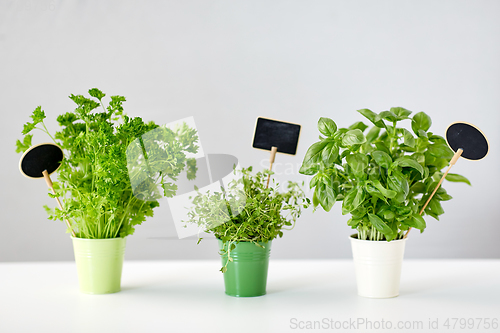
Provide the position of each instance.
(246, 275)
(99, 264)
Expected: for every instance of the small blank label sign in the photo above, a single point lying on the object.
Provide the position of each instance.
(469, 138)
(39, 158)
(272, 133)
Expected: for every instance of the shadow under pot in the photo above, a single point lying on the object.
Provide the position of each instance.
(99, 264)
(378, 266)
(246, 274)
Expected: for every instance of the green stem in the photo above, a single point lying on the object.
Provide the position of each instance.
(393, 138)
(125, 212)
(102, 105)
(47, 131)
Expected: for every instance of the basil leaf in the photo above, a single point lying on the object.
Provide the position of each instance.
(359, 212)
(359, 198)
(315, 180)
(416, 221)
(372, 134)
(435, 207)
(440, 150)
(421, 122)
(437, 139)
(382, 147)
(358, 163)
(373, 117)
(380, 225)
(352, 200)
(313, 154)
(419, 157)
(401, 113)
(358, 125)
(418, 187)
(375, 192)
(443, 196)
(388, 115)
(330, 153)
(407, 161)
(398, 183)
(387, 193)
(326, 196)
(353, 137)
(340, 132)
(353, 223)
(327, 126)
(315, 200)
(387, 214)
(309, 169)
(344, 154)
(382, 158)
(404, 210)
(453, 177)
(409, 140)
(421, 133)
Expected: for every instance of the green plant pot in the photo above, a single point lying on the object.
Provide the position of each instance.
(99, 264)
(246, 275)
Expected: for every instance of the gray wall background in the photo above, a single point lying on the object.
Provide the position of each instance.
(228, 62)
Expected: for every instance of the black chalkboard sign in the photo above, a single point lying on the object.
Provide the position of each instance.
(466, 136)
(45, 156)
(272, 133)
(472, 143)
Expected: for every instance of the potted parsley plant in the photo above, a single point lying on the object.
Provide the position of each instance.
(245, 217)
(94, 181)
(383, 175)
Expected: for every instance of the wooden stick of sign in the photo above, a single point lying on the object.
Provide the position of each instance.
(467, 141)
(276, 136)
(271, 161)
(452, 163)
(51, 186)
(40, 161)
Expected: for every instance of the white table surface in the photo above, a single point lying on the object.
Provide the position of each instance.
(188, 296)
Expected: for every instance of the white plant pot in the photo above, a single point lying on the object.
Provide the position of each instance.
(378, 266)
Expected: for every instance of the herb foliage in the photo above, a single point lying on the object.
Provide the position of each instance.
(93, 179)
(383, 176)
(263, 212)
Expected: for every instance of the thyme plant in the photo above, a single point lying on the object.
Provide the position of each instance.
(247, 211)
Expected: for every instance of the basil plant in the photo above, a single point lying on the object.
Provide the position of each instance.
(383, 175)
